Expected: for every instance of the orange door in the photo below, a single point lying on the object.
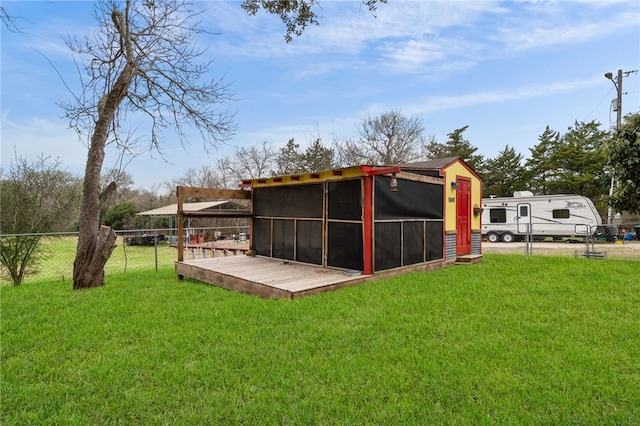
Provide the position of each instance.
(463, 214)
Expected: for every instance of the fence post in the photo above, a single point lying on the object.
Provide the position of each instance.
(528, 239)
(155, 248)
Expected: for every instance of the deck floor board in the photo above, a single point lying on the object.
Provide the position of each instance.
(255, 275)
(277, 278)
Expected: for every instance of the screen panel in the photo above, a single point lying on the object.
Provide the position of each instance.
(345, 245)
(261, 238)
(304, 201)
(434, 242)
(388, 245)
(413, 200)
(344, 200)
(413, 242)
(309, 241)
(283, 236)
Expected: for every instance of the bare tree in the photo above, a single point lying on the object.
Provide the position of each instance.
(141, 59)
(390, 138)
(204, 177)
(35, 198)
(251, 163)
(122, 183)
(147, 199)
(225, 176)
(10, 22)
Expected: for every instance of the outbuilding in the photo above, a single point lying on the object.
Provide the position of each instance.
(362, 222)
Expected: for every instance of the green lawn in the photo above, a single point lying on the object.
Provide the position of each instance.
(512, 340)
(60, 253)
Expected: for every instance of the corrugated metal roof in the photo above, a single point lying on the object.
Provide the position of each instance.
(172, 209)
(436, 164)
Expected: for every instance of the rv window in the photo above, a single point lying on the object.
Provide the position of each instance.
(561, 214)
(524, 211)
(498, 215)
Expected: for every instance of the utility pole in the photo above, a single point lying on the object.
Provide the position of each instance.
(618, 108)
(617, 82)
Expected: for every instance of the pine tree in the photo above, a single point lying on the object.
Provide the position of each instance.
(504, 174)
(456, 146)
(290, 160)
(317, 157)
(538, 167)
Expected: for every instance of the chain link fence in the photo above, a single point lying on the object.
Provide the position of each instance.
(620, 241)
(157, 248)
(148, 249)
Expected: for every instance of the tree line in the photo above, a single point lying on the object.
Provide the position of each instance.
(39, 196)
(141, 59)
(575, 161)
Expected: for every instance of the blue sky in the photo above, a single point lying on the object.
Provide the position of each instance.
(505, 69)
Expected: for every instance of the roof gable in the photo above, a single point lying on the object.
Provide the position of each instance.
(440, 164)
(436, 164)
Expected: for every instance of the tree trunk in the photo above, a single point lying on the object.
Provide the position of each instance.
(88, 269)
(95, 243)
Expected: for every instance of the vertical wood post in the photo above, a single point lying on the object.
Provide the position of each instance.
(180, 219)
(367, 224)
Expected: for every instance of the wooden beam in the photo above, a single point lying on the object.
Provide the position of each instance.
(219, 213)
(236, 194)
(373, 171)
(367, 224)
(420, 178)
(180, 219)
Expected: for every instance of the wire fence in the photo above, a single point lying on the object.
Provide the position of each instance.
(148, 249)
(157, 248)
(621, 241)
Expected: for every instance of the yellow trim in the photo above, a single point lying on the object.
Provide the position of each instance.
(327, 175)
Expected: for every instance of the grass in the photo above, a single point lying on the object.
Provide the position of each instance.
(512, 340)
(60, 253)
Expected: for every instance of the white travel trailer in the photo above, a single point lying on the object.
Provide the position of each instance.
(508, 218)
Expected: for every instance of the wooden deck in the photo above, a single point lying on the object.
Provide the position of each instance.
(214, 249)
(266, 277)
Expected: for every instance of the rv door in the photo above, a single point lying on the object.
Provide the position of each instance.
(523, 218)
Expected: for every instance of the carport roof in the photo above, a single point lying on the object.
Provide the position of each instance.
(201, 207)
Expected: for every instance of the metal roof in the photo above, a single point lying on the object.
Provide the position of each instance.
(436, 164)
(439, 164)
(172, 209)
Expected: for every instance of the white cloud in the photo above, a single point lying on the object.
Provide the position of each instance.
(413, 54)
(40, 136)
(346, 28)
(415, 36)
(432, 104)
(551, 29)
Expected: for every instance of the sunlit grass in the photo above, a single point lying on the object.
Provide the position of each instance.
(60, 252)
(511, 340)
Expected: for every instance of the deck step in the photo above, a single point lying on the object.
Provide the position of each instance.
(468, 259)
